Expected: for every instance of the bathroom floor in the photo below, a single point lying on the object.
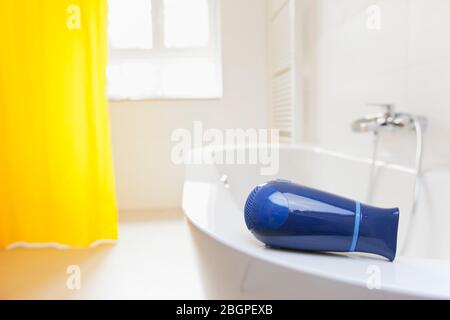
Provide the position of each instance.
(154, 259)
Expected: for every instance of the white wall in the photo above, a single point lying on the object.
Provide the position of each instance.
(347, 65)
(141, 131)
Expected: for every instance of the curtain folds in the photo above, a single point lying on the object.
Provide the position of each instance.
(56, 175)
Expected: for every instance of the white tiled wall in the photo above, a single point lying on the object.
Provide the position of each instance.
(406, 62)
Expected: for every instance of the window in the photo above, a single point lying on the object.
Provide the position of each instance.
(164, 49)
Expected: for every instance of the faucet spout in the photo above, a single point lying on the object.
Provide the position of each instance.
(366, 124)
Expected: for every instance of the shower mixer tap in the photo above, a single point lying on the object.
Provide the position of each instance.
(389, 120)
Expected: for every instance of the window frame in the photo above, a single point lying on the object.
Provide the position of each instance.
(159, 51)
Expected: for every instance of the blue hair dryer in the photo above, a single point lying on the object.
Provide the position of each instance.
(286, 215)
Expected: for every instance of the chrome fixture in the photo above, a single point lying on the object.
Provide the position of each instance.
(389, 120)
(392, 121)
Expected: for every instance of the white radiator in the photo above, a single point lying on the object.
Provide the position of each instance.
(281, 67)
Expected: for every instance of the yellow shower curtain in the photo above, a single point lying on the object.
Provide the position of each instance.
(56, 180)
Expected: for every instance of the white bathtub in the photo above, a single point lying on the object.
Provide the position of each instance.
(235, 265)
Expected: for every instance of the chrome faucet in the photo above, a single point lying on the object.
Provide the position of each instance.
(389, 120)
